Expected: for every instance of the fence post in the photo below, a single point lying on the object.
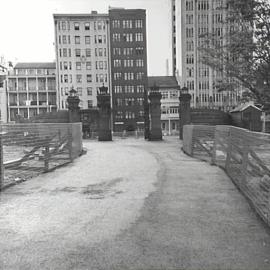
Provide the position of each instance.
(70, 144)
(1, 162)
(46, 155)
(244, 162)
(213, 159)
(229, 152)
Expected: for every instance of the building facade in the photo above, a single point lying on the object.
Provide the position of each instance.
(128, 67)
(3, 94)
(199, 17)
(82, 56)
(170, 91)
(31, 90)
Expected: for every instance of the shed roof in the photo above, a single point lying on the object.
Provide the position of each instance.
(49, 65)
(243, 107)
(163, 81)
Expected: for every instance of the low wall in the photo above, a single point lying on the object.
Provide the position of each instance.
(209, 117)
(244, 155)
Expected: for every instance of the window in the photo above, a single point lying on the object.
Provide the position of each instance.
(79, 91)
(100, 52)
(70, 66)
(78, 65)
(116, 51)
(139, 63)
(79, 78)
(64, 39)
(60, 54)
(64, 52)
(77, 39)
(89, 77)
(116, 24)
(99, 25)
(100, 64)
(88, 65)
(138, 24)
(90, 103)
(65, 65)
(89, 91)
(63, 25)
(116, 37)
(139, 50)
(87, 26)
(99, 39)
(88, 52)
(139, 75)
(128, 37)
(117, 75)
(117, 63)
(139, 37)
(127, 23)
(66, 78)
(78, 52)
(76, 26)
(87, 39)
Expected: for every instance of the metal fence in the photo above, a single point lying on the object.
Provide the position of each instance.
(30, 149)
(244, 155)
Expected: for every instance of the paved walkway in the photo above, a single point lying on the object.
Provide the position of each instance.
(131, 204)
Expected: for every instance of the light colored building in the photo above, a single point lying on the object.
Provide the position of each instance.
(3, 94)
(31, 90)
(82, 56)
(170, 91)
(197, 18)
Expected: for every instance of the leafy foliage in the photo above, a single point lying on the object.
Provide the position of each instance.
(242, 52)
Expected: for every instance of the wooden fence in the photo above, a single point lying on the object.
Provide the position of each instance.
(244, 155)
(27, 150)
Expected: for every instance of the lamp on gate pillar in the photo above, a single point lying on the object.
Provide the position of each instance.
(184, 109)
(155, 114)
(104, 105)
(73, 106)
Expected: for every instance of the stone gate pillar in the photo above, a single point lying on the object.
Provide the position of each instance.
(73, 107)
(184, 110)
(104, 105)
(155, 114)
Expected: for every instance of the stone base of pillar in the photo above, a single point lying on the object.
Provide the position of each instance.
(155, 135)
(105, 135)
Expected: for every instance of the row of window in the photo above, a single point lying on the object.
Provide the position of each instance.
(99, 52)
(97, 39)
(127, 37)
(127, 24)
(170, 110)
(128, 51)
(128, 101)
(96, 25)
(128, 63)
(100, 65)
(128, 76)
(119, 89)
(128, 115)
(89, 78)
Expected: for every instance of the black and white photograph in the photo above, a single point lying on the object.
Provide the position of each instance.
(135, 135)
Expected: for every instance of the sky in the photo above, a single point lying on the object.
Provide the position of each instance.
(27, 29)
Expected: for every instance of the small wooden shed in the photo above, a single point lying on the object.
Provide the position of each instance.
(247, 116)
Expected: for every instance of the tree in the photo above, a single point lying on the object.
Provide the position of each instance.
(241, 53)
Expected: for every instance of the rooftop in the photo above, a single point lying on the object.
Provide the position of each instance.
(244, 106)
(49, 65)
(162, 81)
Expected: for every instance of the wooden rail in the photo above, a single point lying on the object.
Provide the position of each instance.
(244, 155)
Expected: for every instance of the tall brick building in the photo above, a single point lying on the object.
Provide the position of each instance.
(128, 67)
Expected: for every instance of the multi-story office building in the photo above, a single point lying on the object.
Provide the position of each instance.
(199, 17)
(82, 53)
(128, 67)
(170, 91)
(3, 95)
(31, 89)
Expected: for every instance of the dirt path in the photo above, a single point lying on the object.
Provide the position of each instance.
(148, 207)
